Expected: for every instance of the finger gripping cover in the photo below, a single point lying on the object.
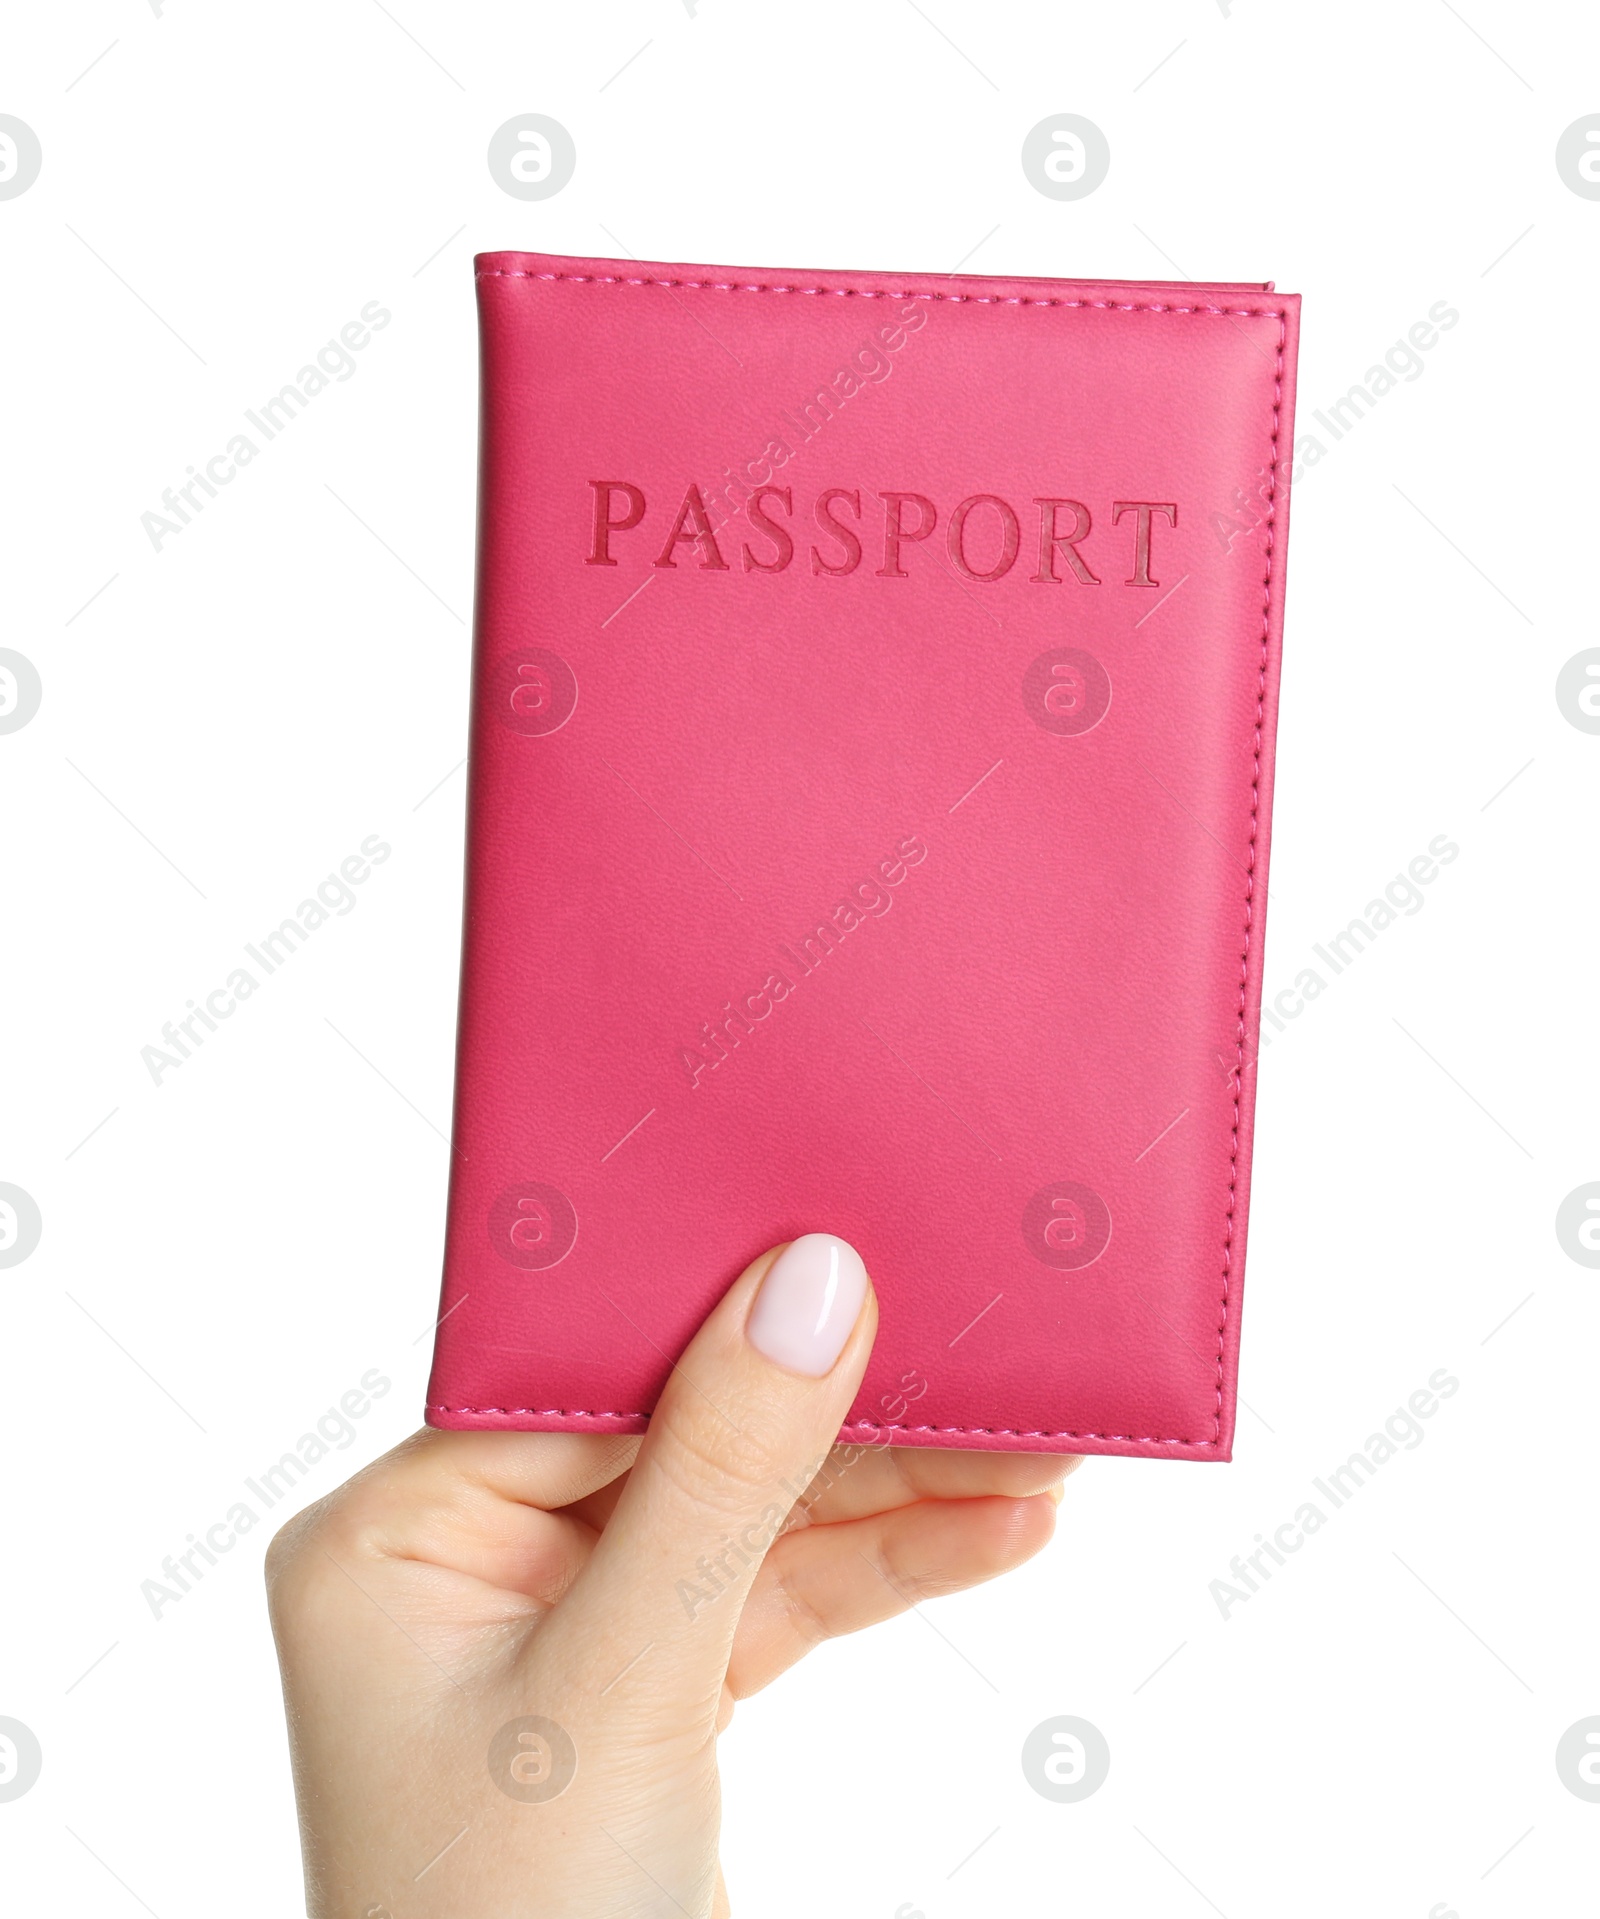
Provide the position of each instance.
(874, 694)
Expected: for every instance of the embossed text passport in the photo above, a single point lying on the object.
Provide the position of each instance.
(875, 684)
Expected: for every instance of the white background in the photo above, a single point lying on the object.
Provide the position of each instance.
(225, 720)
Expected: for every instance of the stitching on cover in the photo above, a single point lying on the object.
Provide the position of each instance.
(880, 293)
(853, 1426)
(1121, 306)
(1250, 868)
(1026, 1432)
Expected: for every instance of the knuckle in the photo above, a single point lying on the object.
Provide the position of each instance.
(806, 1620)
(907, 1580)
(301, 1565)
(719, 1464)
(287, 1550)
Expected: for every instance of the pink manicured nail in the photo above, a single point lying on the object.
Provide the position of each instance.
(808, 1303)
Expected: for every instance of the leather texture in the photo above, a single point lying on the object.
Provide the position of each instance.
(875, 687)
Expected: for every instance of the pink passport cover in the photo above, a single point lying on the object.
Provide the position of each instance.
(871, 769)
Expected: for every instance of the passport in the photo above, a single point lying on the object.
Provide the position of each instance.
(875, 684)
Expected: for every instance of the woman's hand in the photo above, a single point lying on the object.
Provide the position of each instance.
(507, 1656)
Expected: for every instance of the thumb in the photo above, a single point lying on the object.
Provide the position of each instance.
(745, 1421)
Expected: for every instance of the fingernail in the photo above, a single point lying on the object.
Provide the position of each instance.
(808, 1302)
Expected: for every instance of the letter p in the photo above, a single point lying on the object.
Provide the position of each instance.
(604, 522)
(896, 532)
